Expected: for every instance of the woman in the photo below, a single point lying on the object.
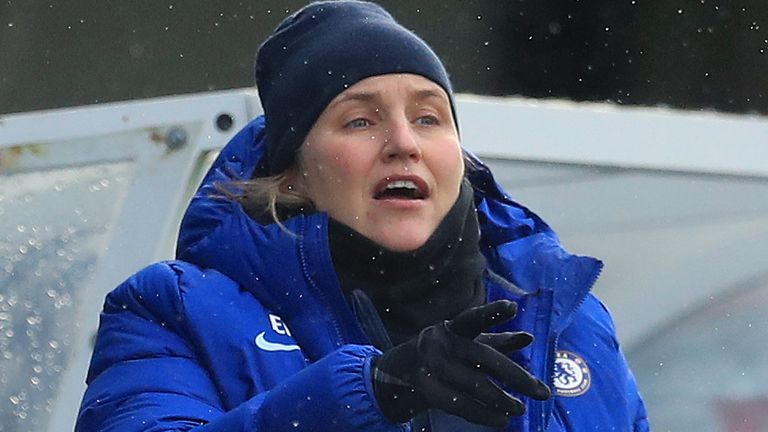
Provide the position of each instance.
(364, 273)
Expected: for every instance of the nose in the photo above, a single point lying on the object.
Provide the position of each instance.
(401, 142)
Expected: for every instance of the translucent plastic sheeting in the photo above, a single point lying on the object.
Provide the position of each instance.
(54, 227)
(686, 277)
(707, 372)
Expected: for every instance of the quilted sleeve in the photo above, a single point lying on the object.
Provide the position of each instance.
(145, 376)
(641, 423)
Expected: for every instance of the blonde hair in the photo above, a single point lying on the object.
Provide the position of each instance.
(271, 197)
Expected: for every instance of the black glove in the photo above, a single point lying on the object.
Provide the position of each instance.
(452, 366)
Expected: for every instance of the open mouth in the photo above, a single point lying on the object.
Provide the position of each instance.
(405, 189)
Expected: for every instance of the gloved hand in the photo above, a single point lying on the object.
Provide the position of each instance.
(452, 366)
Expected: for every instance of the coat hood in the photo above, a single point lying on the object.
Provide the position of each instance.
(293, 274)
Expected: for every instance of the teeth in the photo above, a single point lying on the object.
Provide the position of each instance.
(402, 184)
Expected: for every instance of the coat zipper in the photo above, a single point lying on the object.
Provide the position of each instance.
(547, 405)
(538, 411)
(341, 340)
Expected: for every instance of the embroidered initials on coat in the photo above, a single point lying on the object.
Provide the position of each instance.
(279, 327)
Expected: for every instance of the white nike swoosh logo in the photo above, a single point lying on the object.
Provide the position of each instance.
(272, 346)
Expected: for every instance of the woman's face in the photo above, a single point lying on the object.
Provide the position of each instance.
(384, 158)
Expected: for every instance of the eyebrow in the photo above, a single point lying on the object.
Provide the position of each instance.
(429, 93)
(359, 96)
(365, 96)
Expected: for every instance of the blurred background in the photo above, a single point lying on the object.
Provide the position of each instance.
(691, 54)
(685, 245)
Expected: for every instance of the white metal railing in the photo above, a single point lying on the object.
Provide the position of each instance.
(616, 136)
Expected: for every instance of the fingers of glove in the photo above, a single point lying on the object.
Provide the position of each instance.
(476, 385)
(505, 342)
(500, 367)
(473, 321)
(452, 401)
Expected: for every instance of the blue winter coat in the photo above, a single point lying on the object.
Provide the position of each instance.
(249, 330)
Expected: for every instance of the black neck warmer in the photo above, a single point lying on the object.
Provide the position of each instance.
(413, 290)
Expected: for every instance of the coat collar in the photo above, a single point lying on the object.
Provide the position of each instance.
(290, 274)
(523, 249)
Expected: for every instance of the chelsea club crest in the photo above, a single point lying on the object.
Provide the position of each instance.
(571, 376)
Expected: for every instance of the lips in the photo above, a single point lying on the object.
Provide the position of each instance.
(401, 188)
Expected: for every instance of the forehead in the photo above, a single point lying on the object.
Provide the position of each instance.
(409, 87)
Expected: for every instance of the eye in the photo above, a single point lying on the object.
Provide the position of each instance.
(428, 120)
(358, 123)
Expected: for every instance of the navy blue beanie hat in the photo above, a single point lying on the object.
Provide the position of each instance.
(317, 53)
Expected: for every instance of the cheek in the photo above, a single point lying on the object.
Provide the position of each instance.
(337, 168)
(319, 166)
(451, 166)
(328, 176)
(348, 168)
